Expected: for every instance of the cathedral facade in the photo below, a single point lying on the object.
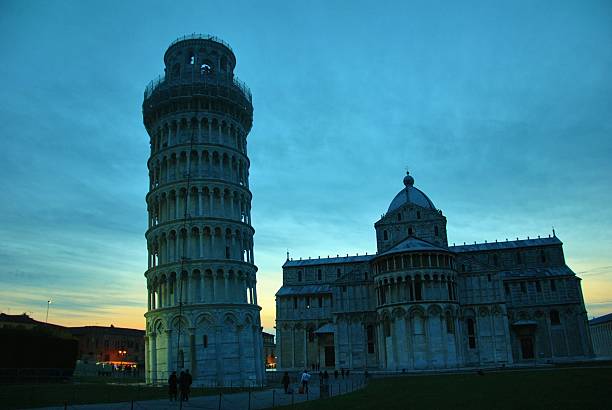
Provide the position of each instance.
(419, 303)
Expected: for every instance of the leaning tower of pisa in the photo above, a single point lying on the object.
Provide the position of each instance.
(202, 300)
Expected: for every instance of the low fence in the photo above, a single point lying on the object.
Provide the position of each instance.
(124, 396)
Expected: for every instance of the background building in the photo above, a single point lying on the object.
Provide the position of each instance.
(421, 304)
(269, 349)
(201, 277)
(113, 346)
(601, 332)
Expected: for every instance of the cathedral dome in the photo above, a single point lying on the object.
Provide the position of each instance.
(410, 195)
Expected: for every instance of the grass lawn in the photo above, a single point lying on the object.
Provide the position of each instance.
(526, 389)
(55, 394)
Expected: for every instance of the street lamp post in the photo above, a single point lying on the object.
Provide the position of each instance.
(122, 354)
(47, 317)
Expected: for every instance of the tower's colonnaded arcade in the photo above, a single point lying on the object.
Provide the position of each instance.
(202, 299)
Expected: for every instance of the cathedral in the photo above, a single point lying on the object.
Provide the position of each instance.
(419, 303)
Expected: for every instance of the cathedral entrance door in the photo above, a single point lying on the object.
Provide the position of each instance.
(330, 356)
(527, 347)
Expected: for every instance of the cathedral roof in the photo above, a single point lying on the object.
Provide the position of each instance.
(410, 195)
(491, 246)
(601, 319)
(327, 261)
(412, 244)
(538, 272)
(303, 290)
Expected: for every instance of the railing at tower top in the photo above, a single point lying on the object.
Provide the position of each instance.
(197, 36)
(206, 79)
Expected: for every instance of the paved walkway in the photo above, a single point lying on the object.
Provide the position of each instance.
(262, 399)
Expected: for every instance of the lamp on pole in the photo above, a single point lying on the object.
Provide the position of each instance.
(47, 317)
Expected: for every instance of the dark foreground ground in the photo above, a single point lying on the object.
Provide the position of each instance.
(562, 388)
(558, 388)
(87, 390)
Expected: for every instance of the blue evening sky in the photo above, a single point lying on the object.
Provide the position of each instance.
(502, 111)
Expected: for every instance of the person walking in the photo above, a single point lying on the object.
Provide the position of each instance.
(305, 380)
(285, 382)
(188, 382)
(172, 381)
(182, 383)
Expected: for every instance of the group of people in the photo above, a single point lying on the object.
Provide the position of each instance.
(305, 378)
(181, 383)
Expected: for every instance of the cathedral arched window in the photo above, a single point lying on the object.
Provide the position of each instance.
(471, 333)
(205, 341)
(385, 235)
(450, 326)
(337, 273)
(542, 256)
(399, 216)
(319, 275)
(436, 232)
(495, 260)
(418, 214)
(370, 338)
(554, 317)
(410, 231)
(299, 276)
(387, 327)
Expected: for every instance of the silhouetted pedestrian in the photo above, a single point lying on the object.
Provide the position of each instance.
(172, 381)
(305, 380)
(285, 382)
(182, 383)
(189, 381)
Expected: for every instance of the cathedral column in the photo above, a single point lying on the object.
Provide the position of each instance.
(192, 352)
(350, 342)
(225, 287)
(305, 348)
(214, 287)
(188, 288)
(200, 210)
(147, 349)
(153, 357)
(202, 286)
(293, 346)
(255, 291)
(169, 362)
